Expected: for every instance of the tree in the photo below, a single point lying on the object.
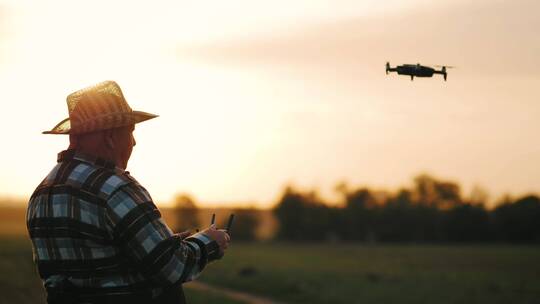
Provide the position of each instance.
(468, 223)
(478, 196)
(359, 215)
(396, 221)
(519, 221)
(438, 194)
(186, 213)
(246, 223)
(304, 217)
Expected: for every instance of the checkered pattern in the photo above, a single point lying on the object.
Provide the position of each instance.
(96, 225)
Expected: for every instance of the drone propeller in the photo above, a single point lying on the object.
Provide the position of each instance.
(445, 66)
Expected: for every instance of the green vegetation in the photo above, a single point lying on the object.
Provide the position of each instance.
(19, 282)
(333, 273)
(337, 273)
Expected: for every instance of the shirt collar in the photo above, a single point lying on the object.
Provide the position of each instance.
(71, 154)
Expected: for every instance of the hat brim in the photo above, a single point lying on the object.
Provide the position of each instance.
(134, 117)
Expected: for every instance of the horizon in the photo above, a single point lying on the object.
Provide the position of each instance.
(487, 200)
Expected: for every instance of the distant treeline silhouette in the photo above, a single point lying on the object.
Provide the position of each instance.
(431, 211)
(188, 217)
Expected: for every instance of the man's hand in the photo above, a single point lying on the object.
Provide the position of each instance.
(219, 235)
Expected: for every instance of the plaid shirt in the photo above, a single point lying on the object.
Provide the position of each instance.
(94, 225)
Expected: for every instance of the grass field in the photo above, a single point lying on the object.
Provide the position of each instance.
(383, 274)
(333, 273)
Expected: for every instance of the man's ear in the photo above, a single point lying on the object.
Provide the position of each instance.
(109, 139)
(73, 141)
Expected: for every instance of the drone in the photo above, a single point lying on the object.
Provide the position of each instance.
(417, 70)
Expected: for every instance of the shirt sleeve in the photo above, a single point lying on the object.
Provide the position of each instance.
(158, 253)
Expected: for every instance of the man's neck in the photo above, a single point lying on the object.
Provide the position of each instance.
(97, 152)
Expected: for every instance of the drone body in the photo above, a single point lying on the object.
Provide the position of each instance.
(416, 70)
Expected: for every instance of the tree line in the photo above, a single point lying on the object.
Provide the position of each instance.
(431, 211)
(188, 217)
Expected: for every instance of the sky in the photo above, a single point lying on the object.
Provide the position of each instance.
(254, 95)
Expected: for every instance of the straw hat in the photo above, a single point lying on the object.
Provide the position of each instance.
(98, 107)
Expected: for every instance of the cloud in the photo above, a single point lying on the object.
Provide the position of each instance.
(487, 38)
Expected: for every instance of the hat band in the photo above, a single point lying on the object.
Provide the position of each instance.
(74, 119)
(101, 122)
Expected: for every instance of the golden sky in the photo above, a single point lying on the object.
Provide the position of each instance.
(253, 95)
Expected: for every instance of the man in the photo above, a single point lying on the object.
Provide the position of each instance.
(97, 236)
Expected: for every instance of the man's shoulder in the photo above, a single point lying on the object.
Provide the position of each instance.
(90, 178)
(113, 183)
(131, 198)
(124, 186)
(92, 182)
